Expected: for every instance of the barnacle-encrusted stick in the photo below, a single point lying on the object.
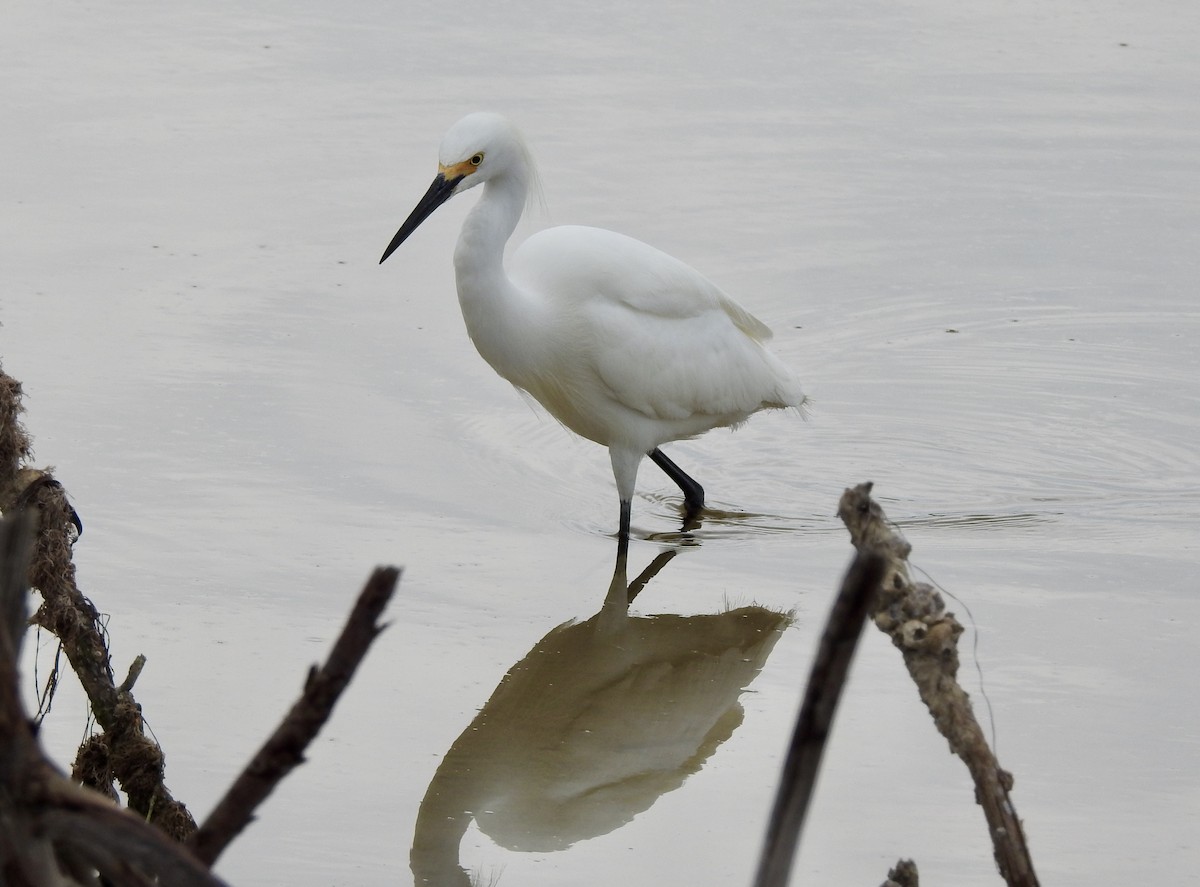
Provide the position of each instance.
(914, 616)
(123, 751)
(54, 833)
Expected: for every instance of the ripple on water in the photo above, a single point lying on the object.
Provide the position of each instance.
(1055, 411)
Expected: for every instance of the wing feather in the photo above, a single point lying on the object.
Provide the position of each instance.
(658, 335)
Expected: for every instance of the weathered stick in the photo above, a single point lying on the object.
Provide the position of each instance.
(52, 832)
(824, 689)
(284, 750)
(913, 615)
(123, 751)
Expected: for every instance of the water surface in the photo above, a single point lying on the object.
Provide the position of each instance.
(973, 229)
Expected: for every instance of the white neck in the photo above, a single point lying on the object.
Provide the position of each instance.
(480, 250)
(493, 308)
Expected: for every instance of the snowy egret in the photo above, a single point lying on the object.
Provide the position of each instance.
(621, 343)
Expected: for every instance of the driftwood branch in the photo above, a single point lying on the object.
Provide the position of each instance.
(122, 751)
(284, 750)
(913, 615)
(824, 689)
(54, 833)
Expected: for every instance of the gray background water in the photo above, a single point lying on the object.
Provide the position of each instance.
(972, 226)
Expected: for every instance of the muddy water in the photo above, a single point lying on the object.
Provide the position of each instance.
(974, 233)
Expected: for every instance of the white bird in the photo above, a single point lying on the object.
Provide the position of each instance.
(621, 343)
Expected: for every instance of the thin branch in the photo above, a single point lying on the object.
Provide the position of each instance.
(284, 750)
(135, 671)
(825, 682)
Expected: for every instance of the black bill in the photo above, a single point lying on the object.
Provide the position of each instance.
(439, 192)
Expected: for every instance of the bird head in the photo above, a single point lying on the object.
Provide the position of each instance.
(479, 147)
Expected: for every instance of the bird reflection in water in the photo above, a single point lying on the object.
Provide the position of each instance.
(598, 721)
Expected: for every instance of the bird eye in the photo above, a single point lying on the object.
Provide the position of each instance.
(477, 159)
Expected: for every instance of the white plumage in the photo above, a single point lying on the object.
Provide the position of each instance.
(620, 342)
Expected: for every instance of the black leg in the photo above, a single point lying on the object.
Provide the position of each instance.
(621, 592)
(650, 572)
(693, 493)
(623, 533)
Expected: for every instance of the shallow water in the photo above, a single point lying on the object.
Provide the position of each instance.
(973, 229)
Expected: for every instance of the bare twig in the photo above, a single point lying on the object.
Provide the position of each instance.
(135, 671)
(912, 614)
(825, 682)
(284, 750)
